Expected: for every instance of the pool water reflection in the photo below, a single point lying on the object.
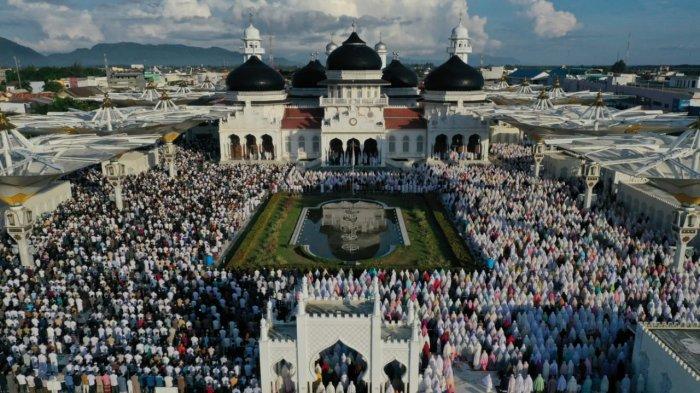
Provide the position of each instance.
(349, 230)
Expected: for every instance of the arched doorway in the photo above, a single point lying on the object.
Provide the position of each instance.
(474, 145)
(395, 371)
(236, 148)
(335, 155)
(353, 152)
(457, 143)
(251, 147)
(338, 364)
(268, 148)
(370, 152)
(284, 372)
(440, 147)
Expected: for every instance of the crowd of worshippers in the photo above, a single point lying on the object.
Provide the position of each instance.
(132, 297)
(127, 300)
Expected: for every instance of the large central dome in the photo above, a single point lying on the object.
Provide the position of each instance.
(454, 75)
(254, 75)
(354, 55)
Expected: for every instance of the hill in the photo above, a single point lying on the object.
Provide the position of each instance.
(26, 56)
(124, 53)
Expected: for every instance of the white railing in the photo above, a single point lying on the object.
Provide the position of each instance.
(333, 101)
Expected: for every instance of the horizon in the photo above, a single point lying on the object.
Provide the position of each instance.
(533, 32)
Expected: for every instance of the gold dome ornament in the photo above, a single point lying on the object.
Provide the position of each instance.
(5, 124)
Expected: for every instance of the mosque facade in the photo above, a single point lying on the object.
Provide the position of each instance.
(348, 334)
(354, 110)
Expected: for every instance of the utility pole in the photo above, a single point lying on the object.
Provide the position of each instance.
(106, 70)
(627, 53)
(19, 79)
(272, 57)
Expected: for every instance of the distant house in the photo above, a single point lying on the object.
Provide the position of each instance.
(127, 81)
(684, 81)
(84, 92)
(534, 75)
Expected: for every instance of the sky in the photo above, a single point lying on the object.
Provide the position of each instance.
(549, 32)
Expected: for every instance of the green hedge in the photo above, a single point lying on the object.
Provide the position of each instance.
(456, 242)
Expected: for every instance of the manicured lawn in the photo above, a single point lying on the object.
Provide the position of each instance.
(434, 241)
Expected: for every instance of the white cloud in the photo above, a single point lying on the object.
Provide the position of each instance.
(185, 9)
(416, 28)
(548, 22)
(62, 26)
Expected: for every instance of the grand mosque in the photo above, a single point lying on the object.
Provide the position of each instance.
(356, 110)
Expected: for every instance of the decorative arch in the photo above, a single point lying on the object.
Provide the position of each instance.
(332, 367)
(268, 147)
(336, 152)
(284, 372)
(395, 372)
(236, 148)
(474, 144)
(370, 151)
(251, 147)
(353, 151)
(457, 143)
(440, 146)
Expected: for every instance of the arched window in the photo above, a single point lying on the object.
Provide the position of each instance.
(419, 144)
(406, 142)
(392, 144)
(288, 144)
(302, 144)
(316, 144)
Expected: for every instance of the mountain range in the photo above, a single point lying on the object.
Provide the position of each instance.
(123, 53)
(126, 53)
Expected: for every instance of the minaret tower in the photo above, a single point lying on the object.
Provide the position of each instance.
(460, 44)
(331, 46)
(252, 43)
(381, 50)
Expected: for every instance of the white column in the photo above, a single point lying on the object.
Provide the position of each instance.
(591, 172)
(169, 155)
(538, 156)
(414, 354)
(118, 200)
(19, 221)
(484, 150)
(303, 375)
(266, 377)
(686, 226)
(376, 349)
(115, 172)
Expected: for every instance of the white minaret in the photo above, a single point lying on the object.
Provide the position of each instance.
(381, 50)
(252, 43)
(460, 44)
(331, 46)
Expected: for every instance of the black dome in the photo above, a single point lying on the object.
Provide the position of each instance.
(254, 75)
(454, 75)
(309, 75)
(354, 55)
(399, 75)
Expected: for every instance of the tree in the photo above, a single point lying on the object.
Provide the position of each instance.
(619, 67)
(53, 86)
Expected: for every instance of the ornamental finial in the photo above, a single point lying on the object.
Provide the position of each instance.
(354, 26)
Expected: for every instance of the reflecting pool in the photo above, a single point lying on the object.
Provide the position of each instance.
(349, 230)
